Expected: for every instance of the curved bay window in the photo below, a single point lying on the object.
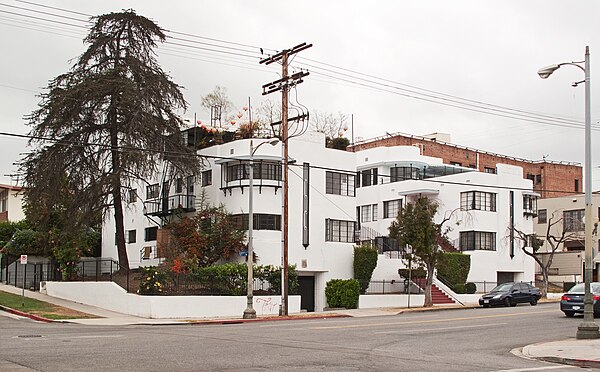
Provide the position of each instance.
(236, 174)
(404, 173)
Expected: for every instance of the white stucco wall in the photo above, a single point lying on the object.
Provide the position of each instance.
(110, 296)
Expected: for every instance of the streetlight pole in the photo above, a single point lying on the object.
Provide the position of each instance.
(409, 252)
(587, 329)
(250, 312)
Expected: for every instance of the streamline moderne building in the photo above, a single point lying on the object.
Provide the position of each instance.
(337, 198)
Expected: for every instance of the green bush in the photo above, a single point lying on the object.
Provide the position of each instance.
(365, 261)
(415, 273)
(343, 293)
(470, 288)
(454, 267)
(459, 288)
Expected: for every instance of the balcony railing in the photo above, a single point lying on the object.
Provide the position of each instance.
(170, 204)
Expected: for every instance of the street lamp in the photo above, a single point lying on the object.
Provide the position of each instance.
(409, 252)
(249, 312)
(588, 328)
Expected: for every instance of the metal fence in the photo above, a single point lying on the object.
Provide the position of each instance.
(392, 287)
(87, 269)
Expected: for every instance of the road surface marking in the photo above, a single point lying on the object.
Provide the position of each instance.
(535, 368)
(430, 321)
(442, 329)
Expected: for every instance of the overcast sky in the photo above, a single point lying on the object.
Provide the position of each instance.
(484, 51)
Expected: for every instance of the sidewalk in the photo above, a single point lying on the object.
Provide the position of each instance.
(582, 353)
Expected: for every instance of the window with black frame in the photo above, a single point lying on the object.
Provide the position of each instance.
(340, 183)
(478, 200)
(477, 241)
(339, 231)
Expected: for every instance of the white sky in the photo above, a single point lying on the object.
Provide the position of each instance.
(487, 51)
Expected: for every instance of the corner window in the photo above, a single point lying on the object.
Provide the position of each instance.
(477, 241)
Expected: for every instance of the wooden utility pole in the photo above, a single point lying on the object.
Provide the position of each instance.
(283, 85)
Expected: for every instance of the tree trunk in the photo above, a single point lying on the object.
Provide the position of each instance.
(116, 192)
(428, 284)
(544, 282)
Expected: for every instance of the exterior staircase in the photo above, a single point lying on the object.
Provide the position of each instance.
(438, 297)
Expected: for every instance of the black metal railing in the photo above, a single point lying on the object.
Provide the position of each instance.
(166, 205)
(392, 287)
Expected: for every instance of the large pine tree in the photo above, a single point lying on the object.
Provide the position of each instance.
(107, 122)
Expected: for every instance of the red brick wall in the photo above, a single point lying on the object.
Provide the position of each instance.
(556, 179)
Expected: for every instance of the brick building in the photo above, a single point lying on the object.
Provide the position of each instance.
(550, 179)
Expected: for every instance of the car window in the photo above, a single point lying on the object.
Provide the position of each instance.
(523, 287)
(577, 288)
(503, 287)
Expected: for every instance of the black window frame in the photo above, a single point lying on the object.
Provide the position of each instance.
(131, 236)
(339, 231)
(337, 183)
(396, 205)
(150, 233)
(478, 201)
(152, 191)
(542, 216)
(475, 240)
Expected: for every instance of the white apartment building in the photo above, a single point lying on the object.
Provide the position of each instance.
(324, 193)
(482, 207)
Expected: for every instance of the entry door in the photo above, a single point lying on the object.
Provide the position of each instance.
(306, 289)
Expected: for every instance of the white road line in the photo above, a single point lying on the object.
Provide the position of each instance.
(536, 369)
(442, 328)
(97, 336)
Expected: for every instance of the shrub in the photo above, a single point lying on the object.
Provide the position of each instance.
(455, 268)
(470, 288)
(415, 273)
(152, 281)
(459, 288)
(365, 261)
(342, 293)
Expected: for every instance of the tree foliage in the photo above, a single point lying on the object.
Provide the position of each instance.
(328, 123)
(218, 97)
(455, 266)
(415, 226)
(203, 239)
(105, 123)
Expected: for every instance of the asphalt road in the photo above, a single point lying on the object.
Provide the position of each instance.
(458, 340)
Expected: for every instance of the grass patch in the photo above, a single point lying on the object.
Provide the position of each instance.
(41, 308)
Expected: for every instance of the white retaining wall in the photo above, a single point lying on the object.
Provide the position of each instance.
(110, 296)
(375, 301)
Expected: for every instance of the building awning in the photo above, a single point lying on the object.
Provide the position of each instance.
(531, 193)
(419, 192)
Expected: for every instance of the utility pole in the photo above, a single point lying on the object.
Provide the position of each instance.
(283, 85)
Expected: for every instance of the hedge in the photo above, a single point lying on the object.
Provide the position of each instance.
(365, 261)
(343, 293)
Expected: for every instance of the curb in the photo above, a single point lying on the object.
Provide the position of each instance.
(586, 363)
(438, 308)
(27, 315)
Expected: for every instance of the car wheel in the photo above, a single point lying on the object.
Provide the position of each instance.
(507, 302)
(533, 301)
(486, 305)
(569, 314)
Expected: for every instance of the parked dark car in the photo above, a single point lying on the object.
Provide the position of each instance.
(572, 301)
(510, 294)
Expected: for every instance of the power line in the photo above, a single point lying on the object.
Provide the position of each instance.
(434, 96)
